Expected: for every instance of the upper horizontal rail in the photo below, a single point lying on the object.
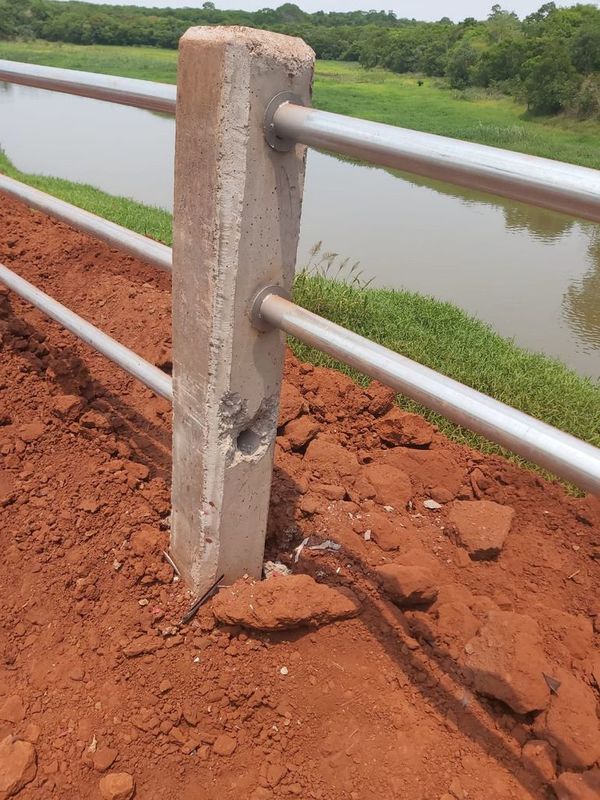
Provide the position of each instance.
(562, 454)
(555, 185)
(539, 181)
(150, 375)
(114, 235)
(125, 91)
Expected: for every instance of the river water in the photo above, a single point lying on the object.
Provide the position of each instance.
(534, 275)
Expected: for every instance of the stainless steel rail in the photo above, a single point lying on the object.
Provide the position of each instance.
(562, 454)
(125, 91)
(539, 181)
(145, 372)
(114, 235)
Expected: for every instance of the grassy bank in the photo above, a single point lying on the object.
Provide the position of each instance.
(434, 333)
(376, 94)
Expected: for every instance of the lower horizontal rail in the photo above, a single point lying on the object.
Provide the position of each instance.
(559, 452)
(147, 373)
(155, 253)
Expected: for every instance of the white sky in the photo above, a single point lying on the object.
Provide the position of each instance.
(419, 9)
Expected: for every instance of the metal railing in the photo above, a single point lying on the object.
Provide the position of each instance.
(550, 184)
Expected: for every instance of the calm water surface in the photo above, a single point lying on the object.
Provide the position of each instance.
(532, 274)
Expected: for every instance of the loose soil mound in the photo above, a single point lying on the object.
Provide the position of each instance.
(471, 670)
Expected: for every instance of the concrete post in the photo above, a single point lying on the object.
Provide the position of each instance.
(236, 224)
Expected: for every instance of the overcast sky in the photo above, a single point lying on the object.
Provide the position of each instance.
(420, 9)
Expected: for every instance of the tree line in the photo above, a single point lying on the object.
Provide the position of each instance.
(550, 59)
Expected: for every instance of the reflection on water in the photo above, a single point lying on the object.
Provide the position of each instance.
(582, 300)
(532, 274)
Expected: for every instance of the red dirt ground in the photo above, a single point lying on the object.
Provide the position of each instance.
(440, 699)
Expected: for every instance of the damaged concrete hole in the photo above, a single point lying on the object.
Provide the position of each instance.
(248, 442)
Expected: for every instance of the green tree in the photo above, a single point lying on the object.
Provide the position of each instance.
(550, 79)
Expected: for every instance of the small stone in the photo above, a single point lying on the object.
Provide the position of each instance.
(382, 398)
(383, 531)
(441, 494)
(392, 486)
(224, 745)
(31, 733)
(480, 526)
(507, 661)
(401, 429)
(261, 793)
(540, 758)
(117, 786)
(77, 673)
(144, 645)
(104, 758)
(94, 419)
(67, 406)
(32, 431)
(12, 709)
(165, 686)
(284, 671)
(578, 786)
(322, 451)
(275, 774)
(300, 431)
(408, 585)
(432, 505)
(17, 766)
(7, 488)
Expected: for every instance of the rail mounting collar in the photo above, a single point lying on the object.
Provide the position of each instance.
(256, 318)
(273, 140)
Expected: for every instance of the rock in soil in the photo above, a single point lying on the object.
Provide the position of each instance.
(12, 709)
(283, 602)
(103, 758)
(392, 486)
(408, 585)
(571, 723)
(576, 786)
(17, 766)
(480, 526)
(399, 429)
(540, 758)
(117, 786)
(508, 663)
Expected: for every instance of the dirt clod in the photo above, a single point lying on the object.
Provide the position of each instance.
(571, 723)
(507, 661)
(480, 526)
(408, 585)
(17, 766)
(282, 603)
(578, 786)
(117, 786)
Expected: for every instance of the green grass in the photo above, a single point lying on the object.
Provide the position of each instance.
(149, 221)
(373, 94)
(443, 337)
(432, 332)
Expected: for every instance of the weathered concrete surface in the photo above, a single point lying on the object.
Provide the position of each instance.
(236, 224)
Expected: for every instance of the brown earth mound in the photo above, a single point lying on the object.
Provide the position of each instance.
(471, 672)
